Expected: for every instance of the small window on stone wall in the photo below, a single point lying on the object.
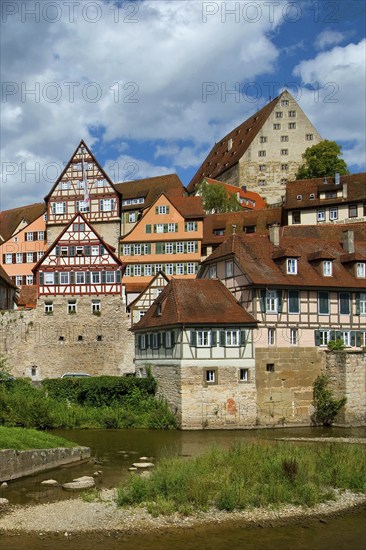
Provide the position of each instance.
(99, 338)
(80, 338)
(244, 375)
(34, 371)
(210, 376)
(62, 338)
(270, 367)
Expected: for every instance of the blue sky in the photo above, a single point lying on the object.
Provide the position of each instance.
(151, 85)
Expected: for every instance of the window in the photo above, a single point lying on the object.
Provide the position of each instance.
(284, 151)
(19, 258)
(271, 301)
(204, 338)
(284, 167)
(362, 303)
(29, 236)
(80, 338)
(263, 139)
(48, 307)
(148, 228)
(232, 338)
(344, 303)
(82, 206)
(110, 277)
(80, 277)
(360, 269)
(95, 250)
(210, 376)
(333, 213)
(80, 251)
(169, 248)
(352, 211)
(323, 303)
(191, 268)
(155, 340)
(309, 137)
(19, 280)
(284, 102)
(126, 249)
(171, 227)
(283, 181)
(229, 269)
(321, 215)
(243, 375)
(148, 269)
(71, 306)
(39, 255)
(322, 337)
(262, 183)
(261, 153)
(169, 269)
(179, 248)
(137, 249)
(65, 185)
(64, 250)
(292, 114)
(327, 268)
(162, 209)
(292, 266)
(159, 228)
(95, 307)
(284, 138)
(278, 114)
(292, 125)
(95, 277)
(8, 258)
(262, 167)
(41, 236)
(277, 126)
(270, 367)
(293, 301)
(141, 314)
(294, 336)
(271, 336)
(49, 278)
(249, 229)
(58, 207)
(191, 247)
(346, 337)
(191, 226)
(106, 205)
(64, 278)
(33, 371)
(29, 279)
(212, 274)
(137, 270)
(132, 217)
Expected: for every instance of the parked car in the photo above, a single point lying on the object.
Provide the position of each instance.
(75, 375)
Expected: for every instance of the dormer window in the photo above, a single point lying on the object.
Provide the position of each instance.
(361, 269)
(327, 268)
(292, 266)
(312, 196)
(158, 310)
(212, 272)
(299, 197)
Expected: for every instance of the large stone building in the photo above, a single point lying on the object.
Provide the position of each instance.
(264, 152)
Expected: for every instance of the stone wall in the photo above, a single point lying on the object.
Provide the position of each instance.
(347, 374)
(41, 346)
(285, 394)
(15, 464)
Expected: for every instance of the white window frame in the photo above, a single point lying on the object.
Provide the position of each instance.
(137, 270)
(48, 307)
(132, 217)
(292, 266)
(58, 208)
(80, 277)
(232, 338)
(243, 375)
(29, 280)
(162, 209)
(95, 306)
(363, 303)
(294, 336)
(191, 268)
(324, 337)
(127, 250)
(212, 272)
(64, 278)
(179, 269)
(40, 235)
(320, 215)
(179, 248)
(346, 337)
(8, 258)
(159, 228)
(110, 277)
(271, 301)
(229, 269)
(95, 250)
(191, 226)
(71, 306)
(95, 277)
(204, 338)
(49, 278)
(271, 335)
(106, 205)
(327, 268)
(210, 376)
(169, 248)
(171, 227)
(333, 213)
(148, 270)
(18, 280)
(191, 247)
(361, 270)
(19, 258)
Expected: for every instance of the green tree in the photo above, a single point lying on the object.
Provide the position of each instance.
(322, 160)
(217, 199)
(325, 405)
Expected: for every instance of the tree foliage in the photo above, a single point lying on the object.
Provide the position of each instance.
(217, 199)
(322, 160)
(326, 406)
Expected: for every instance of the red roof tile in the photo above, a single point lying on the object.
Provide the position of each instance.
(150, 189)
(10, 219)
(27, 297)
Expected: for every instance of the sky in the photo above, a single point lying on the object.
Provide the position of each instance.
(151, 85)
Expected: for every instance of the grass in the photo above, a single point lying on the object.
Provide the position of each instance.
(248, 476)
(23, 439)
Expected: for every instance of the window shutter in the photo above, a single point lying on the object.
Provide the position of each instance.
(338, 335)
(196, 246)
(167, 209)
(185, 248)
(358, 339)
(101, 203)
(279, 301)
(139, 341)
(156, 210)
(56, 277)
(165, 228)
(332, 335)
(185, 226)
(41, 278)
(353, 337)
(176, 228)
(222, 338)
(151, 341)
(213, 338)
(358, 307)
(163, 340)
(87, 277)
(34, 256)
(148, 228)
(158, 248)
(154, 227)
(24, 258)
(263, 301)
(193, 338)
(87, 250)
(317, 337)
(57, 250)
(195, 226)
(77, 206)
(72, 250)
(118, 276)
(173, 338)
(72, 277)
(242, 338)
(103, 277)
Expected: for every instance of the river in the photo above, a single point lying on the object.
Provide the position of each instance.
(113, 451)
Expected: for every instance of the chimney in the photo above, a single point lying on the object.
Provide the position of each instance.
(344, 191)
(274, 234)
(349, 241)
(229, 144)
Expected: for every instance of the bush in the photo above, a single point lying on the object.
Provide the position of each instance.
(326, 406)
(336, 345)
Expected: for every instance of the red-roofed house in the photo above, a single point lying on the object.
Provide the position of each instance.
(247, 199)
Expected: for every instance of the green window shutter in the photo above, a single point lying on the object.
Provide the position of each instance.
(173, 338)
(193, 338)
(279, 301)
(176, 228)
(56, 277)
(167, 209)
(222, 338)
(195, 226)
(185, 267)
(332, 335)
(156, 210)
(163, 340)
(87, 250)
(242, 338)
(185, 226)
(165, 228)
(87, 277)
(358, 339)
(139, 341)
(41, 278)
(118, 276)
(148, 228)
(317, 337)
(154, 227)
(358, 306)
(72, 277)
(57, 250)
(338, 335)
(157, 248)
(213, 338)
(196, 246)
(185, 248)
(263, 301)
(103, 276)
(72, 250)
(353, 337)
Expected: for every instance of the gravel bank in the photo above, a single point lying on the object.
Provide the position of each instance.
(104, 516)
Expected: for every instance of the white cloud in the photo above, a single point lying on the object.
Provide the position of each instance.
(328, 38)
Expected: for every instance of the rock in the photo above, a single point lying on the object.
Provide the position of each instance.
(142, 465)
(50, 483)
(85, 482)
(96, 474)
(4, 484)
(4, 502)
(132, 469)
(145, 458)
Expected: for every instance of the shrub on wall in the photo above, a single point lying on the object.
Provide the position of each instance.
(326, 406)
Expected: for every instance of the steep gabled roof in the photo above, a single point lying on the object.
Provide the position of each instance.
(6, 279)
(150, 189)
(149, 285)
(309, 190)
(257, 257)
(107, 246)
(188, 207)
(10, 219)
(194, 302)
(327, 231)
(220, 158)
(81, 144)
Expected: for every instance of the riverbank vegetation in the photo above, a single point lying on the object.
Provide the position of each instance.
(248, 476)
(95, 402)
(22, 439)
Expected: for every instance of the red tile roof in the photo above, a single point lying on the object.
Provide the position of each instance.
(150, 189)
(194, 302)
(6, 279)
(220, 158)
(246, 197)
(326, 231)
(254, 253)
(27, 297)
(356, 191)
(188, 207)
(10, 219)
